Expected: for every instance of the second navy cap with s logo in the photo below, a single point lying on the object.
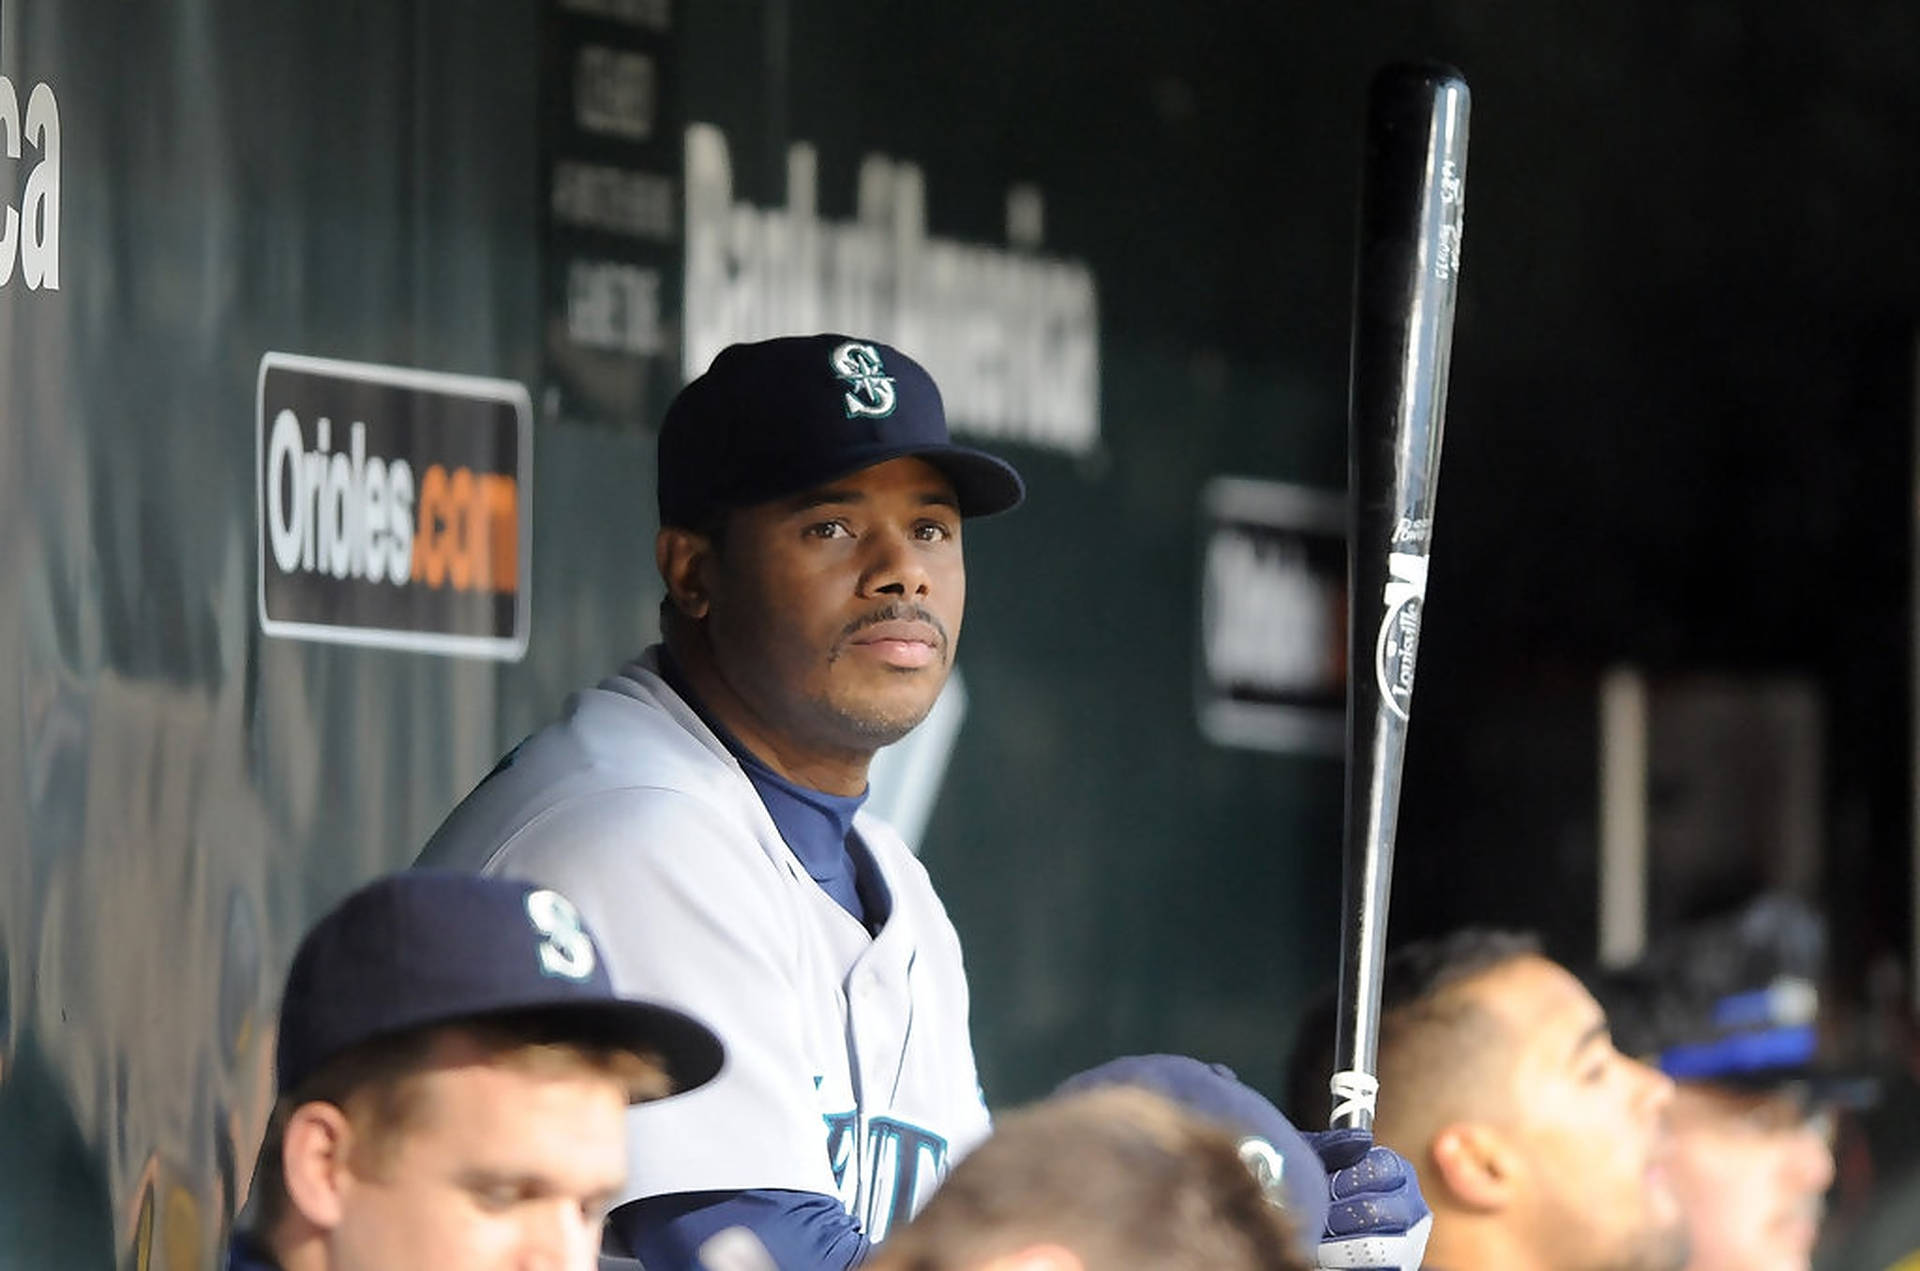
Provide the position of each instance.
(782, 416)
(431, 947)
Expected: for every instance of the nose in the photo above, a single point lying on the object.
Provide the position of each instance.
(562, 1238)
(894, 565)
(1812, 1158)
(1656, 1094)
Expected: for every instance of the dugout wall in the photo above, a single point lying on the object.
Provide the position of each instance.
(220, 212)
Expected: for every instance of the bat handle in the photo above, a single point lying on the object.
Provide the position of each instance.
(1366, 892)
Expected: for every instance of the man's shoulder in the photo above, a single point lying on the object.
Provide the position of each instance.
(627, 748)
(633, 721)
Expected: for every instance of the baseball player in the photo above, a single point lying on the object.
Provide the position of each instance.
(1110, 1179)
(453, 1068)
(1352, 1203)
(703, 805)
(1729, 1008)
(1538, 1145)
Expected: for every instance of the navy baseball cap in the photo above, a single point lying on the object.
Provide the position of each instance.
(430, 947)
(1279, 1155)
(785, 415)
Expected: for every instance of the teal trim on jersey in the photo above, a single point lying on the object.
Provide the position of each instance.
(841, 1128)
(898, 1151)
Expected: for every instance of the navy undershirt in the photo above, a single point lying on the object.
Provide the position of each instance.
(799, 1229)
(818, 826)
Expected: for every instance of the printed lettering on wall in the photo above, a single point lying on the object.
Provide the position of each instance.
(612, 231)
(1273, 616)
(1011, 335)
(394, 507)
(29, 187)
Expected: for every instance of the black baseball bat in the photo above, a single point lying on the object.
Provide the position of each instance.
(1407, 270)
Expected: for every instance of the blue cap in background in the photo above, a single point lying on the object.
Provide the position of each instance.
(1734, 1000)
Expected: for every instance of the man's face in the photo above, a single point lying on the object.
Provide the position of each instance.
(833, 614)
(499, 1169)
(1751, 1170)
(1590, 1126)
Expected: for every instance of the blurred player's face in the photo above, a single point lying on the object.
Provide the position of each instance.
(832, 615)
(1590, 1127)
(499, 1169)
(1751, 1170)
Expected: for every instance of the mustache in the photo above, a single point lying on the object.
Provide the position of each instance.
(896, 611)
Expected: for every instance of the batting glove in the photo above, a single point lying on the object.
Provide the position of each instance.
(1376, 1217)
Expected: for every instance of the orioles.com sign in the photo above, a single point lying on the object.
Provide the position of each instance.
(394, 507)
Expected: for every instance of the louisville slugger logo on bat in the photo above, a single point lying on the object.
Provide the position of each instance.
(1399, 640)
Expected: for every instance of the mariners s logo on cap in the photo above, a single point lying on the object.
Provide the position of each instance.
(1268, 1167)
(567, 951)
(778, 417)
(870, 388)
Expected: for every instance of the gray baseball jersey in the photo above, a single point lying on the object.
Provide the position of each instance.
(850, 1070)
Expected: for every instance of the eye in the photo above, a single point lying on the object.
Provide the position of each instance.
(1782, 1114)
(933, 531)
(828, 529)
(496, 1198)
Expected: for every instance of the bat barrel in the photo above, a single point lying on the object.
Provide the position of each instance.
(1407, 267)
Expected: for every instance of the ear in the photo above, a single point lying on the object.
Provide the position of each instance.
(313, 1154)
(1477, 1164)
(682, 556)
(1037, 1258)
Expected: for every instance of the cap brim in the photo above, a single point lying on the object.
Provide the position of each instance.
(690, 1051)
(1821, 1086)
(984, 484)
(1856, 1091)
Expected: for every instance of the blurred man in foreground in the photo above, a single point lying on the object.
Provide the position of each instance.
(1729, 1009)
(1352, 1204)
(1116, 1179)
(1538, 1145)
(454, 1070)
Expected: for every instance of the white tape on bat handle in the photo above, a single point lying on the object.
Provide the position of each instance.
(1353, 1092)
